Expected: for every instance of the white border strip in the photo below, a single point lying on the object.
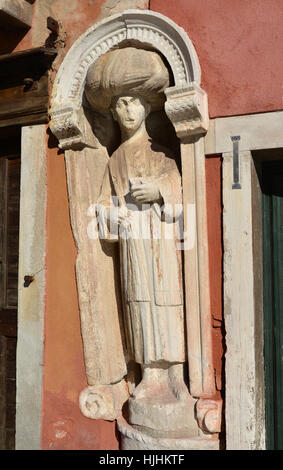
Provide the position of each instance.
(31, 302)
(257, 131)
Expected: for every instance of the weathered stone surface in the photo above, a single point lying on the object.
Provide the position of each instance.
(99, 310)
(209, 415)
(112, 7)
(103, 401)
(136, 440)
(142, 178)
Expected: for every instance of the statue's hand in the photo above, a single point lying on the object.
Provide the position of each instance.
(118, 215)
(146, 192)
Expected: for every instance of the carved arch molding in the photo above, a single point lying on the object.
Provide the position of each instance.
(187, 109)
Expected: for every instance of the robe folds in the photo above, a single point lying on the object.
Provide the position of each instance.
(150, 258)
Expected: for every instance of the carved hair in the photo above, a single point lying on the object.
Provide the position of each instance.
(124, 71)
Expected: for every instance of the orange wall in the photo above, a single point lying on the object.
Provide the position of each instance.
(63, 425)
(213, 167)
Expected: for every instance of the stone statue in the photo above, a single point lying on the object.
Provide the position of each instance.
(145, 305)
(140, 207)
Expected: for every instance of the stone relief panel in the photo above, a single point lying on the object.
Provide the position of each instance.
(131, 124)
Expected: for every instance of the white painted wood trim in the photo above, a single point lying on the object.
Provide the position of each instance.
(31, 301)
(244, 389)
(257, 131)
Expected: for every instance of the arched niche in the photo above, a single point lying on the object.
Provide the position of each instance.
(186, 102)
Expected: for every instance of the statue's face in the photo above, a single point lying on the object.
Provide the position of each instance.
(130, 112)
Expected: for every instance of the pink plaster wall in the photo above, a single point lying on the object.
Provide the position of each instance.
(239, 45)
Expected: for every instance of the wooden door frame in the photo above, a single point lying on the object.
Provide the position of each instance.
(242, 273)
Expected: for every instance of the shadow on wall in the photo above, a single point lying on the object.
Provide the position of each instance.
(9, 37)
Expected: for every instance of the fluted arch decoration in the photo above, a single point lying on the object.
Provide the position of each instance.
(149, 29)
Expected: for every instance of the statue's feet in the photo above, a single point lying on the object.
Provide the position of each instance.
(180, 390)
(162, 381)
(154, 382)
(177, 383)
(141, 391)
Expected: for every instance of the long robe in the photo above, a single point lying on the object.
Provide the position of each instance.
(151, 269)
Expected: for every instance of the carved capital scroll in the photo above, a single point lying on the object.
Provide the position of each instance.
(72, 129)
(187, 110)
(66, 127)
(103, 401)
(209, 415)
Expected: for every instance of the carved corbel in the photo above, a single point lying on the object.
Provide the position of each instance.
(187, 109)
(72, 128)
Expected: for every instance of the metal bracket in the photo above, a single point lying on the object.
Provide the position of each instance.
(236, 167)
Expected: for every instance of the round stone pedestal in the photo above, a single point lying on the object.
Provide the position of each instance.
(133, 439)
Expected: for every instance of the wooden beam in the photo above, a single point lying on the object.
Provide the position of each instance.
(24, 86)
(16, 14)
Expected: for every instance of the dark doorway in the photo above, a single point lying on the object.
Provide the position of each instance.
(10, 164)
(272, 212)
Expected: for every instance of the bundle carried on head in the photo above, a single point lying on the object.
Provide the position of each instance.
(127, 71)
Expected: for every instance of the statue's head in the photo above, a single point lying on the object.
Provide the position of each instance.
(128, 72)
(130, 111)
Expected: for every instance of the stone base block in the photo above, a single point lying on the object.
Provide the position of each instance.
(164, 416)
(133, 439)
